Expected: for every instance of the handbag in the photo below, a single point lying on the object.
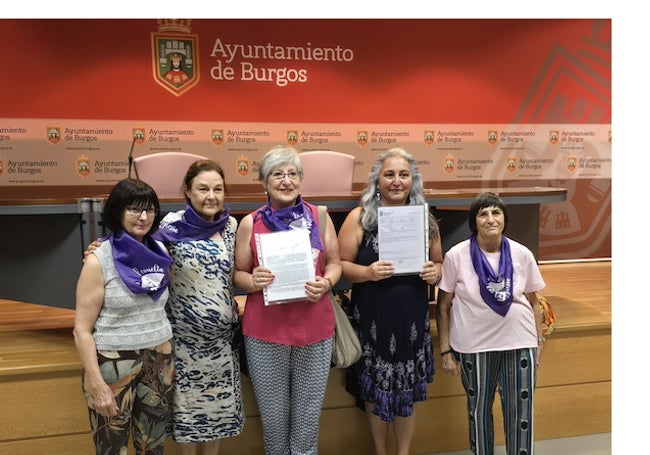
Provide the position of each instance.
(548, 315)
(238, 347)
(346, 348)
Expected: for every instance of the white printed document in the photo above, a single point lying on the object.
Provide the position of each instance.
(288, 255)
(404, 237)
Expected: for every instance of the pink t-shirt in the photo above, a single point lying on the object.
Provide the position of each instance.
(297, 323)
(473, 325)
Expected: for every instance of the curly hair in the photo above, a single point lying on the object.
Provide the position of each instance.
(370, 200)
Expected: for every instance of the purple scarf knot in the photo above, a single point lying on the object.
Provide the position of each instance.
(295, 217)
(143, 266)
(190, 226)
(496, 291)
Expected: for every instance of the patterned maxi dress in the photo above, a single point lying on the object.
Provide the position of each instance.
(207, 393)
(391, 318)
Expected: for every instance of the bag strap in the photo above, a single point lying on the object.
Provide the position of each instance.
(322, 221)
(322, 224)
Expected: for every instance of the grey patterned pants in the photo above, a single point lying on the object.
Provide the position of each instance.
(289, 383)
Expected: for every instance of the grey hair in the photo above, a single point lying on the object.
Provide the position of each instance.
(370, 202)
(279, 155)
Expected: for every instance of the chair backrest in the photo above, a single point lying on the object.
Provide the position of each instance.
(165, 171)
(326, 172)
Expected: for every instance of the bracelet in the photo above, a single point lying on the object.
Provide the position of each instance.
(448, 351)
(541, 340)
(330, 282)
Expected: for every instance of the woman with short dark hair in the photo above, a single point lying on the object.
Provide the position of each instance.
(490, 326)
(121, 329)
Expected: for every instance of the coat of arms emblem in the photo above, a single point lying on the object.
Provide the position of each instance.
(429, 137)
(448, 164)
(362, 137)
(292, 137)
(53, 134)
(492, 137)
(175, 56)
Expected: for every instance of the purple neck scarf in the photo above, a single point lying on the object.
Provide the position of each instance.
(191, 226)
(143, 266)
(295, 217)
(495, 290)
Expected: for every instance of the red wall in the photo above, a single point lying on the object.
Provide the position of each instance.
(440, 71)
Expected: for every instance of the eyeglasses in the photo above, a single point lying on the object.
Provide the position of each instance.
(279, 175)
(137, 211)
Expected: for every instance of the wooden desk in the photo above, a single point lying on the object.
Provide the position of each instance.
(16, 316)
(40, 381)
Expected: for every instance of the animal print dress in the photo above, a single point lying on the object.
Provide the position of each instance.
(207, 402)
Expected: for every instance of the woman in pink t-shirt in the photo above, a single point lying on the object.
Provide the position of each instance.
(490, 327)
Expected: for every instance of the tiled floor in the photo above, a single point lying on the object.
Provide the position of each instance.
(593, 444)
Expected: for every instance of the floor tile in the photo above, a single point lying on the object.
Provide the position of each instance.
(560, 446)
(596, 444)
(593, 444)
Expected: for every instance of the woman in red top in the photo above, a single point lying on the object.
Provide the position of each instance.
(288, 345)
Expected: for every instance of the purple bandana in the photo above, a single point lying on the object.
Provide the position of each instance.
(143, 266)
(295, 217)
(495, 290)
(190, 226)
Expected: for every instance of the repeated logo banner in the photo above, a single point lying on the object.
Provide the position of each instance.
(90, 152)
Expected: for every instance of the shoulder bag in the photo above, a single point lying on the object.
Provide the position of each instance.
(346, 349)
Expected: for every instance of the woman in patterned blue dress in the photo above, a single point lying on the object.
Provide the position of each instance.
(390, 312)
(207, 404)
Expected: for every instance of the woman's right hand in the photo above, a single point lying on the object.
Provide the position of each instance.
(103, 399)
(380, 270)
(92, 247)
(449, 364)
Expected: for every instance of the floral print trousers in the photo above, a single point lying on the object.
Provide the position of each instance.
(142, 384)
